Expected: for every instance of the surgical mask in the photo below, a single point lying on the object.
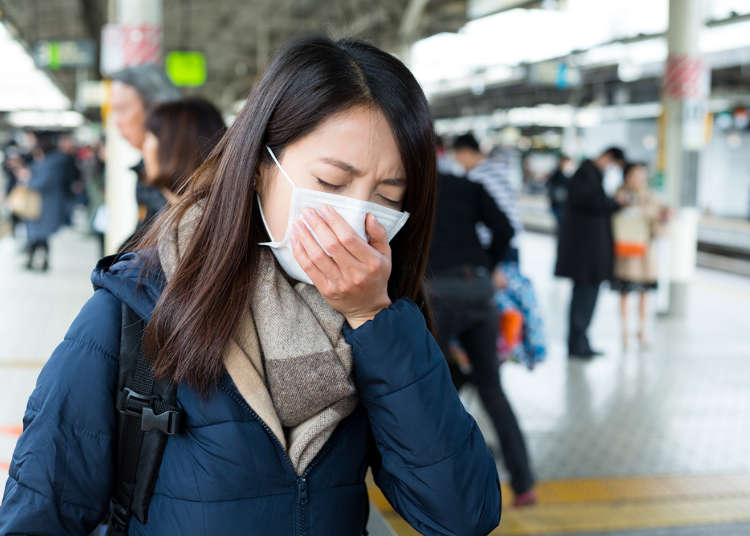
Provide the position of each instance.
(612, 179)
(353, 211)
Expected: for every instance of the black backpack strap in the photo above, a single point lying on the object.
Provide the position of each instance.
(147, 414)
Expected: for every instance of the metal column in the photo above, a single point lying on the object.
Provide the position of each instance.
(120, 180)
(685, 94)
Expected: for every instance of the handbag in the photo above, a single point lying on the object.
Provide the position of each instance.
(25, 202)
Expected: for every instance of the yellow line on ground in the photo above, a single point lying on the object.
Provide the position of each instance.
(604, 504)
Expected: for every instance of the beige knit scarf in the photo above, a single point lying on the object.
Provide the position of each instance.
(287, 357)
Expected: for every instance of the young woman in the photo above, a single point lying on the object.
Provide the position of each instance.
(634, 228)
(179, 136)
(298, 338)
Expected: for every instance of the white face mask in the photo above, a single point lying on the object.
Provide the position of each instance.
(352, 210)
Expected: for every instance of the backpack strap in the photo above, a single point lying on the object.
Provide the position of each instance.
(147, 414)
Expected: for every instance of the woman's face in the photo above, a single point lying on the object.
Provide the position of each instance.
(352, 153)
(636, 178)
(150, 151)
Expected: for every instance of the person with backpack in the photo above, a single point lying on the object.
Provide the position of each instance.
(267, 341)
(463, 277)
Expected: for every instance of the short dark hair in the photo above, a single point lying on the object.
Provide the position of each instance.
(150, 82)
(615, 153)
(187, 131)
(466, 141)
(46, 141)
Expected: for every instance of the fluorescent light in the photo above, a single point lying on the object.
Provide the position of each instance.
(45, 119)
(22, 85)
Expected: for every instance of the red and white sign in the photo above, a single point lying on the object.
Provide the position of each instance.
(124, 45)
(686, 77)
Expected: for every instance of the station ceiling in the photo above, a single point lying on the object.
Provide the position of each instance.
(238, 36)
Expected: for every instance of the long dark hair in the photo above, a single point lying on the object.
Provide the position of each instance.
(187, 130)
(309, 81)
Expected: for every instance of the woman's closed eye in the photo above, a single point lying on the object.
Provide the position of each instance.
(392, 202)
(328, 186)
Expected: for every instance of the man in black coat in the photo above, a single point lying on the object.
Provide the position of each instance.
(585, 247)
(462, 278)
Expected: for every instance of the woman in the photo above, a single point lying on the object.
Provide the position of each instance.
(634, 230)
(290, 390)
(179, 136)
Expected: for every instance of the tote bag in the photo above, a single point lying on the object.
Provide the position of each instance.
(632, 232)
(25, 202)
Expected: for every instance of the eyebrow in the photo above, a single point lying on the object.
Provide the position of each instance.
(342, 165)
(396, 181)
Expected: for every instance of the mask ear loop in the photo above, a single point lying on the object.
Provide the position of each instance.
(283, 171)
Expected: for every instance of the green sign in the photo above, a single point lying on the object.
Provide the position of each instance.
(186, 68)
(63, 54)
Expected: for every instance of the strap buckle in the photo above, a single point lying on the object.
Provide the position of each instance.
(133, 403)
(168, 422)
(136, 404)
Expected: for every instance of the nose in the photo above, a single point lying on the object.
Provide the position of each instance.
(361, 190)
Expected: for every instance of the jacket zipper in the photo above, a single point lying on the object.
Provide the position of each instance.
(302, 487)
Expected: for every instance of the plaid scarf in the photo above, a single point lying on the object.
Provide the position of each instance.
(287, 357)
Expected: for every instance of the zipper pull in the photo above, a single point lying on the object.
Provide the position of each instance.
(302, 489)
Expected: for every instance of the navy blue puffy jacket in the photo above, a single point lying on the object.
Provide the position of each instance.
(227, 474)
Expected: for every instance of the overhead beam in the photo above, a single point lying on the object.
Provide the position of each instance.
(411, 20)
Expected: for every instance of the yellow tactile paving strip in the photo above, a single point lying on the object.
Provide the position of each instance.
(610, 504)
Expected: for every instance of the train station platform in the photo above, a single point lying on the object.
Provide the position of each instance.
(633, 443)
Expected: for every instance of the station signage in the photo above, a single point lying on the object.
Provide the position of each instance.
(55, 55)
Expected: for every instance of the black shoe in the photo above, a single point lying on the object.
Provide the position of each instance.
(583, 356)
(595, 353)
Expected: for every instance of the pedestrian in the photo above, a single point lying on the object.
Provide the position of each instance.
(557, 187)
(75, 192)
(493, 174)
(463, 277)
(301, 352)
(179, 136)
(135, 90)
(585, 249)
(46, 175)
(635, 227)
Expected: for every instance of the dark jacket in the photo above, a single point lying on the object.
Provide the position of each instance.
(461, 204)
(227, 474)
(585, 248)
(48, 177)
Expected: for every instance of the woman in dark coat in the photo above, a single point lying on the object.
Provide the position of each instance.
(299, 367)
(49, 178)
(585, 248)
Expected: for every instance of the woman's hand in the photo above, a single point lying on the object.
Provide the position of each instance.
(354, 278)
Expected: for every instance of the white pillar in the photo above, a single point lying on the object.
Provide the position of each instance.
(122, 209)
(685, 93)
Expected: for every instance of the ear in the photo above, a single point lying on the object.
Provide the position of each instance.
(258, 177)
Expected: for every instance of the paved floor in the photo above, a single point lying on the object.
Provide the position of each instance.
(651, 443)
